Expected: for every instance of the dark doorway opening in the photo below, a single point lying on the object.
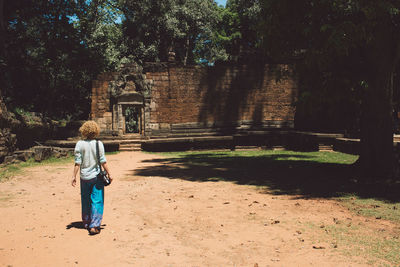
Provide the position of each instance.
(132, 116)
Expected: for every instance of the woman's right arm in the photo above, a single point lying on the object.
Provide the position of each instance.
(78, 161)
(76, 169)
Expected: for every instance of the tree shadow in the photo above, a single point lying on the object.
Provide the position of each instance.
(299, 175)
(235, 95)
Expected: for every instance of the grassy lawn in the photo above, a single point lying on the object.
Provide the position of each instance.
(380, 247)
(8, 171)
(327, 175)
(323, 157)
(311, 174)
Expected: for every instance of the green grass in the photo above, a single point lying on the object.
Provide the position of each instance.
(379, 248)
(372, 207)
(322, 157)
(112, 153)
(313, 174)
(8, 171)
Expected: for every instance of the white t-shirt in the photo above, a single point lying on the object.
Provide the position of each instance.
(85, 155)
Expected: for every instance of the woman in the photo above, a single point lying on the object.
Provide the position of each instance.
(92, 189)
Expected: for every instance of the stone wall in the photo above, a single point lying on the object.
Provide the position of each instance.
(199, 99)
(101, 97)
(222, 97)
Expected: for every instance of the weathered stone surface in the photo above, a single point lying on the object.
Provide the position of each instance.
(182, 144)
(346, 145)
(42, 152)
(24, 155)
(39, 153)
(59, 152)
(56, 154)
(69, 145)
(241, 96)
(10, 159)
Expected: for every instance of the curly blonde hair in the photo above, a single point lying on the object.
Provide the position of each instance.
(89, 130)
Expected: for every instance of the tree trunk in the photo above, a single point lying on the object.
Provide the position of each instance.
(2, 30)
(377, 154)
(187, 44)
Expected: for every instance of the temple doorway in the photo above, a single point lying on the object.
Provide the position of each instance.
(132, 119)
(128, 114)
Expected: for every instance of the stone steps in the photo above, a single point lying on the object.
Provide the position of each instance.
(322, 147)
(130, 147)
(126, 137)
(130, 142)
(247, 148)
(134, 142)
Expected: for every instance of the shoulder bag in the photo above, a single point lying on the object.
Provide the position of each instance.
(103, 176)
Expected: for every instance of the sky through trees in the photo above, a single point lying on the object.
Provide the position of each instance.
(221, 2)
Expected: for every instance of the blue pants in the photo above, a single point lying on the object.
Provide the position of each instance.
(92, 199)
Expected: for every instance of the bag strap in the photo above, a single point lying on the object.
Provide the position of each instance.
(98, 154)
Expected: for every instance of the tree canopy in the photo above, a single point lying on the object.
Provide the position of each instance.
(357, 41)
(52, 50)
(346, 53)
(154, 28)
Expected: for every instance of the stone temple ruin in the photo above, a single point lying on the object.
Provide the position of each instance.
(140, 105)
(167, 99)
(166, 106)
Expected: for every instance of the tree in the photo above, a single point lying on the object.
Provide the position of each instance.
(221, 44)
(364, 31)
(100, 30)
(3, 109)
(154, 28)
(235, 35)
(246, 39)
(2, 29)
(54, 49)
(2, 43)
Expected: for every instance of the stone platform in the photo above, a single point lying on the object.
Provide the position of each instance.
(109, 145)
(275, 139)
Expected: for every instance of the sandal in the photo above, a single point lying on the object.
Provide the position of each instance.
(94, 231)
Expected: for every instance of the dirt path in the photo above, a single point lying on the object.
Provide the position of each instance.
(156, 221)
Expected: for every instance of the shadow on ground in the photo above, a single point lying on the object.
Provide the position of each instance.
(298, 175)
(77, 225)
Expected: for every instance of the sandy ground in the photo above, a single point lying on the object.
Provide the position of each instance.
(157, 221)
